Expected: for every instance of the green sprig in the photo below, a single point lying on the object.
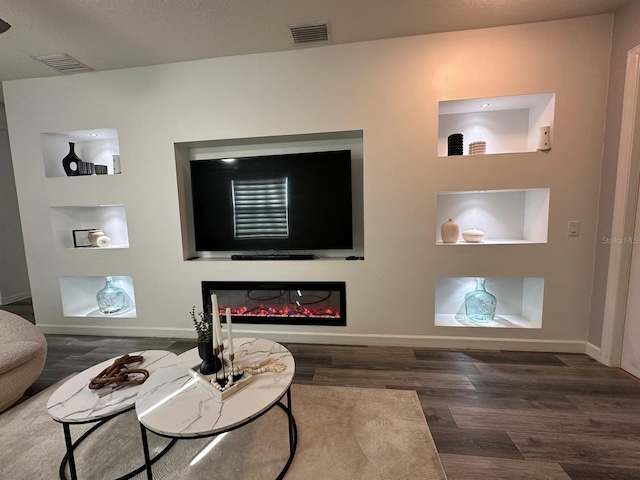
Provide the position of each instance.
(203, 325)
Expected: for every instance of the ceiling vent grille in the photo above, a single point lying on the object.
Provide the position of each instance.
(63, 63)
(309, 33)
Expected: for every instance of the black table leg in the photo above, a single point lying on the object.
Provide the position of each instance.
(71, 460)
(145, 446)
(293, 433)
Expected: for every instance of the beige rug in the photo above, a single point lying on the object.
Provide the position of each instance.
(343, 434)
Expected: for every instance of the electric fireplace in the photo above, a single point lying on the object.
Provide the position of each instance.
(279, 303)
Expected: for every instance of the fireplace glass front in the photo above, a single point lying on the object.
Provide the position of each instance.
(279, 303)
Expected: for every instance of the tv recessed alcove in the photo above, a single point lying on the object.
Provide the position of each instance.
(285, 194)
(279, 303)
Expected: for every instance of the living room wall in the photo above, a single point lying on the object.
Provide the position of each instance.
(14, 281)
(389, 90)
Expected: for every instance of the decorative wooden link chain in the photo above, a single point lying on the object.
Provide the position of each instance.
(118, 373)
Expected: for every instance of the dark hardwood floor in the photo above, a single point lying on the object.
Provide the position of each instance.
(493, 414)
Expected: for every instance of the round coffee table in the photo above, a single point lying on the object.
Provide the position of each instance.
(74, 403)
(167, 402)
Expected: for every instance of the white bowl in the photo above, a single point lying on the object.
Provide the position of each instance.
(472, 235)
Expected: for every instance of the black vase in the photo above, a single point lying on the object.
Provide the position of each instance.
(210, 362)
(71, 163)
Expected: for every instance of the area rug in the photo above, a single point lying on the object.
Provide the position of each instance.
(343, 434)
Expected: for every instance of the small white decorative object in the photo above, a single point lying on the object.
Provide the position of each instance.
(473, 235)
(116, 165)
(94, 235)
(449, 231)
(103, 241)
(478, 148)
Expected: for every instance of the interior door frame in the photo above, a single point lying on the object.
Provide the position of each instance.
(624, 213)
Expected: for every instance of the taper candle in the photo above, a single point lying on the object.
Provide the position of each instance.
(216, 318)
(229, 330)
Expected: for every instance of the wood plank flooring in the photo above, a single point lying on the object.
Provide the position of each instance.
(493, 415)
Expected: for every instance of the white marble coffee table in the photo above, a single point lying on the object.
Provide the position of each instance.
(175, 405)
(74, 403)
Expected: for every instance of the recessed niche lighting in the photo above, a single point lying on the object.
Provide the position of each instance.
(93, 134)
(484, 105)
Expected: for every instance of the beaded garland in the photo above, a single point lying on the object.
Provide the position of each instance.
(236, 372)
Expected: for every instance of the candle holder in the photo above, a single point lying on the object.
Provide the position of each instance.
(211, 363)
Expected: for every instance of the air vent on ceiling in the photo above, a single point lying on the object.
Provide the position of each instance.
(309, 33)
(63, 63)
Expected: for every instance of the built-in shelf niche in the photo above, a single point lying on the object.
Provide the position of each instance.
(505, 216)
(78, 296)
(509, 124)
(97, 146)
(111, 219)
(519, 302)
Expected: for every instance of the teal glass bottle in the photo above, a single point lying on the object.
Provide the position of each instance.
(111, 299)
(480, 305)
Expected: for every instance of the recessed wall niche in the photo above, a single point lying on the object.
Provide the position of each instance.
(96, 146)
(508, 124)
(111, 219)
(505, 216)
(78, 296)
(519, 302)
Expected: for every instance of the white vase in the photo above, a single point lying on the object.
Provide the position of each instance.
(449, 231)
(93, 237)
(473, 235)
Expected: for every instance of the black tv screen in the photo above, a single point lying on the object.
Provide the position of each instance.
(299, 201)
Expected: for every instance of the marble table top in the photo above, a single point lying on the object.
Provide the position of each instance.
(175, 404)
(75, 402)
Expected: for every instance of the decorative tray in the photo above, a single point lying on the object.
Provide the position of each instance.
(205, 382)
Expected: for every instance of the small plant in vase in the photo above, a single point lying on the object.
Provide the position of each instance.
(203, 325)
(204, 334)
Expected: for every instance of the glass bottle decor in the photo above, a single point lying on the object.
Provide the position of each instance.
(480, 305)
(111, 299)
(71, 163)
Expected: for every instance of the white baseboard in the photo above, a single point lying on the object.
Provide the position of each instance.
(14, 298)
(563, 346)
(593, 351)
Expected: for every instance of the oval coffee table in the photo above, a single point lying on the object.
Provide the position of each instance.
(75, 403)
(175, 405)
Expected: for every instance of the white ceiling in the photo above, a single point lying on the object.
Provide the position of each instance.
(112, 34)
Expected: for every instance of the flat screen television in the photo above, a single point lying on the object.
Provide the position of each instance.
(299, 201)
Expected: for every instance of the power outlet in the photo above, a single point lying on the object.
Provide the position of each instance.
(573, 228)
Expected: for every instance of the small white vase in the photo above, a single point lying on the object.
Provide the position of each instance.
(93, 237)
(449, 231)
(473, 235)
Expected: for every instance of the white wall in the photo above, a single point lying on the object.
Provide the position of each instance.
(390, 90)
(14, 281)
(626, 35)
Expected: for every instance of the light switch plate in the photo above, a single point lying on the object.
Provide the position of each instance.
(573, 228)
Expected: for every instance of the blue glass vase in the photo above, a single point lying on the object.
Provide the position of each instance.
(480, 305)
(111, 299)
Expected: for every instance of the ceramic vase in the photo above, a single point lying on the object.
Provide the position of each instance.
(71, 163)
(93, 236)
(473, 235)
(210, 362)
(449, 231)
(480, 305)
